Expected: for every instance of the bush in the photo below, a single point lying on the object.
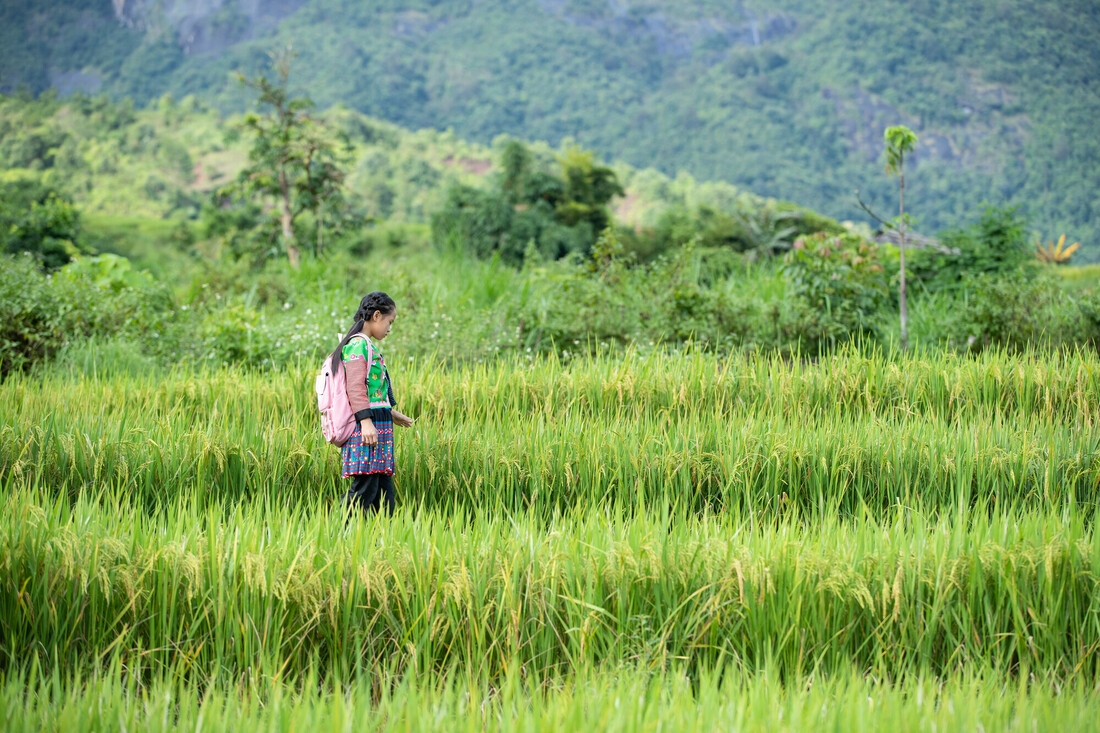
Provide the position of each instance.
(842, 283)
(30, 326)
(1089, 305)
(762, 230)
(560, 214)
(613, 300)
(475, 220)
(1017, 311)
(95, 297)
(996, 244)
(231, 334)
(105, 295)
(38, 220)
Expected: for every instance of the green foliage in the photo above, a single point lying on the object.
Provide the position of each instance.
(1089, 304)
(1020, 311)
(37, 220)
(29, 330)
(107, 272)
(559, 213)
(238, 228)
(997, 244)
(479, 221)
(995, 91)
(689, 296)
(900, 141)
(757, 228)
(90, 297)
(589, 187)
(841, 281)
(292, 162)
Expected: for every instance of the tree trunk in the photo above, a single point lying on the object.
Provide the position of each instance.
(901, 289)
(287, 220)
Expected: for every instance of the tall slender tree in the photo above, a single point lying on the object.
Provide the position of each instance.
(294, 161)
(899, 141)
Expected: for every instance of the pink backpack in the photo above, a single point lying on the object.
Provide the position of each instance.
(337, 417)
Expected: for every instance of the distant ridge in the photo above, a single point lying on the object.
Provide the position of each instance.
(786, 98)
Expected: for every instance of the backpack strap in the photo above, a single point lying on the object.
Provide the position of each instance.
(370, 360)
(370, 346)
(353, 337)
(370, 349)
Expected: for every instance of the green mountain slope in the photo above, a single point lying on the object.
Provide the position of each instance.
(163, 162)
(784, 97)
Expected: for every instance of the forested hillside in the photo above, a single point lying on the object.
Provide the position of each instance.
(165, 161)
(786, 98)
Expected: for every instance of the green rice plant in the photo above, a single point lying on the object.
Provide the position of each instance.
(268, 592)
(599, 698)
(719, 541)
(858, 429)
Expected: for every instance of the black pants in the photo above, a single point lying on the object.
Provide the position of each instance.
(368, 491)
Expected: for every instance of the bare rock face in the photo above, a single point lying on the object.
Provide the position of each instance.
(204, 26)
(131, 13)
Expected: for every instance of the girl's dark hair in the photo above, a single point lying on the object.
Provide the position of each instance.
(371, 302)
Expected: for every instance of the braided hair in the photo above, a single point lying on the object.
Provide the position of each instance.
(371, 303)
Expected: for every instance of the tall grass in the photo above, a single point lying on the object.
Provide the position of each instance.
(861, 429)
(673, 539)
(269, 591)
(594, 699)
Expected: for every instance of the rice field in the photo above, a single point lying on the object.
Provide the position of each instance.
(640, 542)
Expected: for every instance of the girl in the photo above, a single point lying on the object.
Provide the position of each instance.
(368, 455)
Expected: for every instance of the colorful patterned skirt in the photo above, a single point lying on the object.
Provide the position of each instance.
(358, 458)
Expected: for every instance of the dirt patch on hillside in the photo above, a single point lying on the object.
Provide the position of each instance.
(471, 165)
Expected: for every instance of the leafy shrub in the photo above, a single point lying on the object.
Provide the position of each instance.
(807, 221)
(100, 296)
(476, 220)
(842, 283)
(231, 334)
(612, 300)
(105, 295)
(29, 323)
(236, 228)
(1018, 310)
(38, 220)
(996, 244)
(1089, 305)
(760, 230)
(561, 214)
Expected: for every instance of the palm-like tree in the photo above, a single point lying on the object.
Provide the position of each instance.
(1056, 254)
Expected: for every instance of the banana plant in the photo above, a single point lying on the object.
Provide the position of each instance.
(1056, 254)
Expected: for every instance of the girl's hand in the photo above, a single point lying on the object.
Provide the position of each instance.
(403, 420)
(370, 433)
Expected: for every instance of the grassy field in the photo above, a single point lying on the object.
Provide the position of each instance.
(1080, 277)
(632, 543)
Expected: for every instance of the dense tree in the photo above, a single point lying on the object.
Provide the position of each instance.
(557, 212)
(36, 219)
(293, 160)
